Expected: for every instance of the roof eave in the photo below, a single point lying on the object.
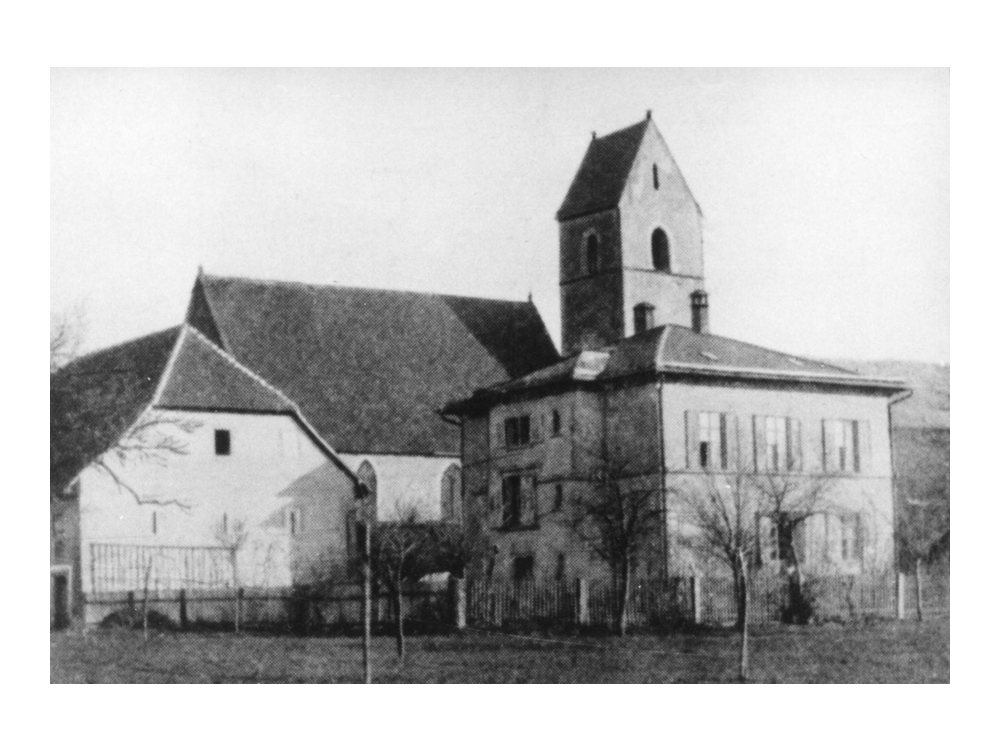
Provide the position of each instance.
(752, 373)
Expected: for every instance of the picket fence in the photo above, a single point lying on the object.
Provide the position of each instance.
(505, 603)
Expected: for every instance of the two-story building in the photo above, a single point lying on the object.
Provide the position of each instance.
(645, 387)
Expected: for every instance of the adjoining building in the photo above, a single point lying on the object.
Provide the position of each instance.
(643, 383)
(257, 424)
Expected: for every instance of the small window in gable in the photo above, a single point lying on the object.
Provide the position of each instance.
(644, 317)
(656, 178)
(223, 443)
(296, 521)
(661, 250)
(593, 251)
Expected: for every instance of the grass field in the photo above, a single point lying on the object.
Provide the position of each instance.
(880, 652)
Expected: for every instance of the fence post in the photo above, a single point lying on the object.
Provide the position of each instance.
(582, 602)
(239, 607)
(696, 599)
(183, 619)
(458, 600)
(900, 596)
(366, 584)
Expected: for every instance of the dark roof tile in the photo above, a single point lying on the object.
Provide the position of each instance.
(370, 368)
(602, 175)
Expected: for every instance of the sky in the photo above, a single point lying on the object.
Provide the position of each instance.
(825, 192)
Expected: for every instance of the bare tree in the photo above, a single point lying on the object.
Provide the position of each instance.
(618, 520)
(81, 431)
(232, 536)
(722, 517)
(788, 501)
(401, 553)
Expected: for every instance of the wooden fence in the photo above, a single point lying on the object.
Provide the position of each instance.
(504, 603)
(130, 567)
(333, 607)
(701, 600)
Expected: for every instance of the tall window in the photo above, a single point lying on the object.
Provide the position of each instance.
(661, 250)
(557, 499)
(560, 571)
(296, 521)
(368, 478)
(712, 448)
(556, 422)
(777, 444)
(451, 493)
(851, 537)
(843, 450)
(518, 501)
(517, 431)
(223, 443)
(593, 252)
(644, 316)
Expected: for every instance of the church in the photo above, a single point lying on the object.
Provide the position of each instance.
(645, 384)
(294, 400)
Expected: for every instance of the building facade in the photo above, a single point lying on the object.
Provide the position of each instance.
(646, 391)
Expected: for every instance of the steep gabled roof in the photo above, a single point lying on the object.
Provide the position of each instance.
(602, 175)
(202, 376)
(370, 368)
(99, 397)
(96, 398)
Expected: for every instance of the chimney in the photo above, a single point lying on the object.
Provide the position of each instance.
(699, 311)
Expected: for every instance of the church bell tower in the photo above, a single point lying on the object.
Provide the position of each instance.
(630, 242)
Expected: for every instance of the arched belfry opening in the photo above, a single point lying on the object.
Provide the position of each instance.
(661, 250)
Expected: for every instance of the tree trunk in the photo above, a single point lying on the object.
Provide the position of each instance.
(400, 644)
(621, 604)
(745, 627)
(920, 591)
(739, 590)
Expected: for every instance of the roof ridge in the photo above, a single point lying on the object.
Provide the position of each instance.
(346, 287)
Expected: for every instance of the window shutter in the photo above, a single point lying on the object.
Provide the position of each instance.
(865, 447)
(826, 444)
(691, 436)
(723, 442)
(535, 429)
(759, 444)
(731, 436)
(793, 430)
(859, 537)
(501, 434)
(529, 495)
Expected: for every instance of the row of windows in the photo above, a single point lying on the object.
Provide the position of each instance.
(518, 431)
(841, 539)
(451, 488)
(519, 503)
(659, 247)
(777, 443)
